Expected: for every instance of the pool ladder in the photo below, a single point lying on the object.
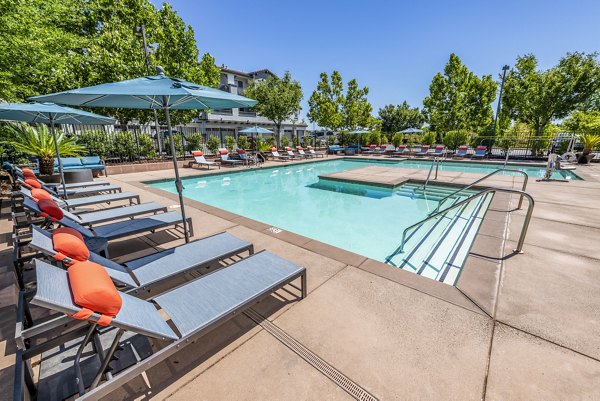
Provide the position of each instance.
(436, 163)
(480, 194)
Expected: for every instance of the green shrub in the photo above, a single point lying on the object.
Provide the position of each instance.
(295, 140)
(96, 143)
(454, 139)
(285, 141)
(271, 141)
(384, 140)
(331, 140)
(212, 143)
(194, 141)
(177, 141)
(229, 143)
(397, 139)
(147, 149)
(429, 138)
(124, 145)
(242, 142)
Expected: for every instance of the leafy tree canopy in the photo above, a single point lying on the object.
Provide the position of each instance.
(459, 99)
(538, 97)
(334, 109)
(54, 45)
(400, 117)
(278, 99)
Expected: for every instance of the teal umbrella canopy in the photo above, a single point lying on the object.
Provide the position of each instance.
(255, 130)
(50, 113)
(151, 92)
(359, 131)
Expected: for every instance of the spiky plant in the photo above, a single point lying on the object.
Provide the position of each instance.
(38, 141)
(589, 142)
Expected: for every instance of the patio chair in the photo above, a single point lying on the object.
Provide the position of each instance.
(438, 151)
(402, 150)
(277, 156)
(480, 152)
(461, 152)
(227, 160)
(97, 238)
(176, 318)
(381, 151)
(201, 161)
(150, 272)
(245, 158)
(302, 153)
(370, 150)
(423, 151)
(29, 172)
(75, 192)
(102, 215)
(291, 153)
(313, 153)
(74, 203)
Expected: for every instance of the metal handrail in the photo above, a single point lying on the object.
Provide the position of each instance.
(477, 195)
(506, 158)
(523, 188)
(429, 174)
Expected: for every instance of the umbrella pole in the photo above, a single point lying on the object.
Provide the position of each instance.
(60, 167)
(178, 184)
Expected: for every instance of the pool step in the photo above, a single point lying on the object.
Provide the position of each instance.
(439, 247)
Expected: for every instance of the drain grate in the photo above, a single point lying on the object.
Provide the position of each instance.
(344, 382)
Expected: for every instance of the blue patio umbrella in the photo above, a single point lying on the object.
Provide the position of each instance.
(411, 131)
(359, 132)
(158, 92)
(255, 130)
(50, 113)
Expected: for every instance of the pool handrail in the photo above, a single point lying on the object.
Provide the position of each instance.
(483, 192)
(523, 188)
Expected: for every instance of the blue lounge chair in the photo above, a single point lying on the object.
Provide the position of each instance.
(227, 160)
(461, 152)
(97, 238)
(401, 151)
(245, 158)
(423, 151)
(480, 152)
(438, 151)
(192, 310)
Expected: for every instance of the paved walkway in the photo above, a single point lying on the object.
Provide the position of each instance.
(522, 327)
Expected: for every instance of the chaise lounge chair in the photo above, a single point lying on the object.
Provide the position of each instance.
(245, 158)
(480, 152)
(176, 318)
(423, 151)
(382, 150)
(201, 161)
(30, 181)
(97, 238)
(277, 156)
(145, 274)
(74, 203)
(461, 152)
(313, 153)
(22, 173)
(401, 151)
(226, 160)
(438, 151)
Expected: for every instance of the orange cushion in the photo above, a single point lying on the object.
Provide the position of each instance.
(299, 148)
(241, 151)
(224, 152)
(50, 208)
(197, 153)
(481, 147)
(288, 148)
(93, 289)
(69, 242)
(33, 183)
(372, 146)
(39, 193)
(273, 149)
(27, 171)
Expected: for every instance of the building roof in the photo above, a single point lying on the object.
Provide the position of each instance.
(250, 74)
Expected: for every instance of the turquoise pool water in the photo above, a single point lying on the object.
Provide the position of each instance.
(363, 219)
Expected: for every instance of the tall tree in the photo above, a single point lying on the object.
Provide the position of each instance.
(53, 45)
(278, 99)
(537, 97)
(400, 117)
(331, 107)
(459, 100)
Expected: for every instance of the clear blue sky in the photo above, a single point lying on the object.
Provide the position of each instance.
(393, 47)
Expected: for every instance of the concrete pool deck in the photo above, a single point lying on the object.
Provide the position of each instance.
(516, 326)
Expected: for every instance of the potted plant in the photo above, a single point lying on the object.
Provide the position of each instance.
(589, 142)
(38, 141)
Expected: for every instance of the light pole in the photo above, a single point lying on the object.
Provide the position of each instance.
(504, 69)
(141, 30)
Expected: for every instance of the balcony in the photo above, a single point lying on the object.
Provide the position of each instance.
(223, 112)
(244, 113)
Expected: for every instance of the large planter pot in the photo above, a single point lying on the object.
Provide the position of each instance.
(47, 166)
(583, 158)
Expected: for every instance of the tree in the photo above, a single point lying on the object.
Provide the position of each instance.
(538, 97)
(54, 45)
(458, 99)
(400, 117)
(333, 109)
(586, 122)
(278, 99)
